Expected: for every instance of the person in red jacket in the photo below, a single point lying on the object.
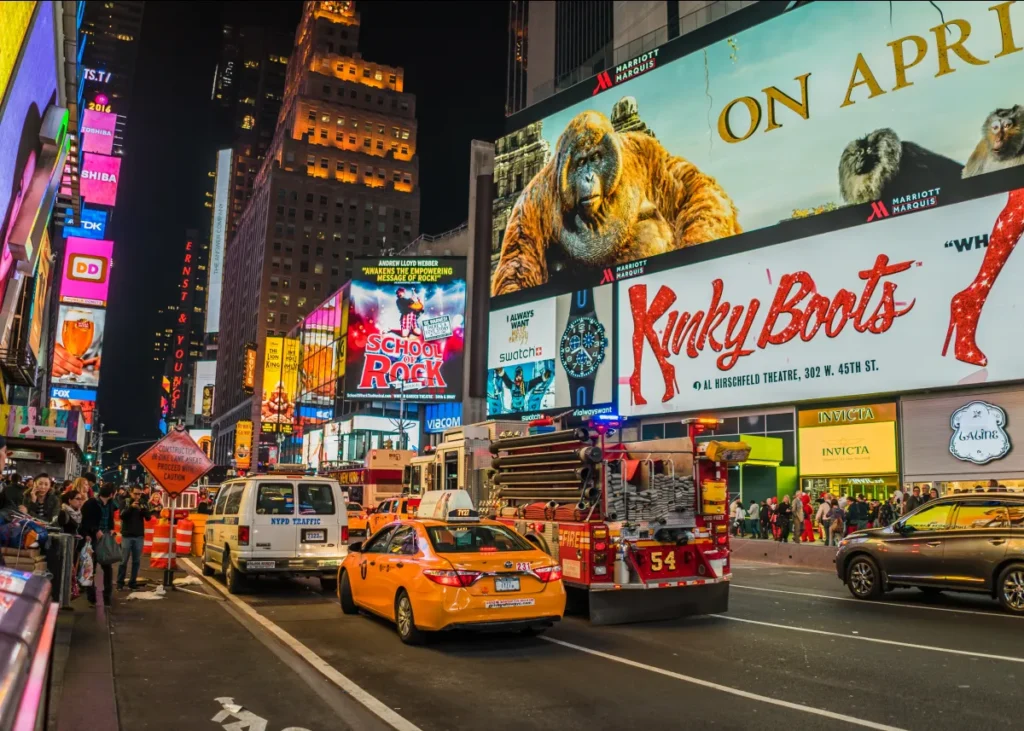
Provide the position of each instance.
(807, 535)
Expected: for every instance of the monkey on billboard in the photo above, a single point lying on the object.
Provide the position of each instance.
(607, 198)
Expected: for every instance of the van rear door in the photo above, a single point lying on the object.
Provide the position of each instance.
(273, 532)
(321, 517)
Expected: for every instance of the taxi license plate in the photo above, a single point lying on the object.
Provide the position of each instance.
(260, 565)
(506, 583)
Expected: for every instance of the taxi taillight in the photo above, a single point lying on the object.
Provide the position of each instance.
(547, 574)
(452, 578)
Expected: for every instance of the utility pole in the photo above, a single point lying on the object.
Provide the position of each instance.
(401, 413)
(99, 446)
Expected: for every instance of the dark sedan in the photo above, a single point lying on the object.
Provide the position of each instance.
(958, 543)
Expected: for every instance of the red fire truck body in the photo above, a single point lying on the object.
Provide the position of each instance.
(640, 527)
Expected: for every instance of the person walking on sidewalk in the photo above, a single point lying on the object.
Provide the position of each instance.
(857, 514)
(42, 504)
(133, 527)
(739, 518)
(783, 515)
(821, 517)
(754, 520)
(766, 520)
(98, 521)
(914, 501)
(836, 523)
(797, 517)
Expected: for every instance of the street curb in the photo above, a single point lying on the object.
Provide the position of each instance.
(784, 554)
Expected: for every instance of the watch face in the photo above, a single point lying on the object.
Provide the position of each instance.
(583, 346)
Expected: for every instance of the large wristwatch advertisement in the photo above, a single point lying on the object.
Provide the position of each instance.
(583, 347)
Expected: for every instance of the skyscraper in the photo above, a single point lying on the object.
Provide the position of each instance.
(340, 179)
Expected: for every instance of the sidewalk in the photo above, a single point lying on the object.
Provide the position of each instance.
(180, 662)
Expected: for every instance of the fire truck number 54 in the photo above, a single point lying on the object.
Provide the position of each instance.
(660, 560)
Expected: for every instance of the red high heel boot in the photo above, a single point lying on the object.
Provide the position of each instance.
(966, 306)
(659, 305)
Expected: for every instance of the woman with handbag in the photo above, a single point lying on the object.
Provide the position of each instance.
(98, 527)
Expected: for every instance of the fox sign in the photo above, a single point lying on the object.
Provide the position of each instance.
(86, 275)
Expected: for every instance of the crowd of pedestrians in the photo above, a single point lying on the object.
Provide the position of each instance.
(825, 519)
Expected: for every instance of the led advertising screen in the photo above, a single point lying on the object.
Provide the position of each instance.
(218, 238)
(553, 353)
(405, 329)
(82, 399)
(86, 275)
(243, 444)
(323, 350)
(891, 103)
(40, 291)
(76, 357)
(852, 312)
(92, 224)
(98, 130)
(205, 378)
(204, 438)
(100, 174)
(312, 445)
(249, 368)
(30, 90)
(280, 383)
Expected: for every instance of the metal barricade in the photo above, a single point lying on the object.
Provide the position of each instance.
(60, 562)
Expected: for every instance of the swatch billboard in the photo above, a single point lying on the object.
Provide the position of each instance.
(406, 329)
(98, 129)
(100, 175)
(900, 103)
(85, 278)
(890, 307)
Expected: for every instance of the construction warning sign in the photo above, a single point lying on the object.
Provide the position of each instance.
(175, 462)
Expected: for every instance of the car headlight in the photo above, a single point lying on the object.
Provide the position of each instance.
(844, 542)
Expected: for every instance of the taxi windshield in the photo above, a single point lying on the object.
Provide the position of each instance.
(475, 539)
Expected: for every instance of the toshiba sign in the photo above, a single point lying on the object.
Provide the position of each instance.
(99, 178)
(864, 310)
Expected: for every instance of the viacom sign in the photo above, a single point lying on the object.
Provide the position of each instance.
(86, 274)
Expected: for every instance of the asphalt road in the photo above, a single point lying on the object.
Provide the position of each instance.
(794, 651)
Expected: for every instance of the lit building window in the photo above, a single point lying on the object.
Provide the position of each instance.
(318, 268)
(378, 76)
(405, 134)
(248, 121)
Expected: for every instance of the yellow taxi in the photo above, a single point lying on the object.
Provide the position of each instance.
(358, 519)
(450, 569)
(390, 510)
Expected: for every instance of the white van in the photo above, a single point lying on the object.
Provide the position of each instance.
(277, 524)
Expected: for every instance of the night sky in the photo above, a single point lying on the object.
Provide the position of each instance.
(453, 54)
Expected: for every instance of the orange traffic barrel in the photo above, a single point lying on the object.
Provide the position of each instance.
(183, 538)
(147, 540)
(117, 526)
(161, 546)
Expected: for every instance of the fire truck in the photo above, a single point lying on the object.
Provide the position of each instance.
(379, 477)
(640, 528)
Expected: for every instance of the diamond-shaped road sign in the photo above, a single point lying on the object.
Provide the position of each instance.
(176, 461)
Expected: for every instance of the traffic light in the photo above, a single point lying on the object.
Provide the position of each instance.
(90, 457)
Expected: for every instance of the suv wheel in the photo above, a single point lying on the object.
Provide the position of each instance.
(404, 620)
(863, 578)
(1010, 587)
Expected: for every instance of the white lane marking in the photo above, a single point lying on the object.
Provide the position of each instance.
(727, 689)
(379, 709)
(1003, 615)
(911, 645)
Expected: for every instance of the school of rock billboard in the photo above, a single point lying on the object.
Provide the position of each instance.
(406, 329)
(900, 104)
(837, 220)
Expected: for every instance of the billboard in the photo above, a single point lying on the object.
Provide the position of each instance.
(878, 101)
(76, 356)
(553, 353)
(40, 292)
(29, 75)
(894, 306)
(85, 278)
(98, 129)
(438, 417)
(221, 201)
(406, 329)
(204, 438)
(92, 224)
(249, 368)
(83, 399)
(202, 396)
(243, 444)
(323, 350)
(280, 383)
(100, 174)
